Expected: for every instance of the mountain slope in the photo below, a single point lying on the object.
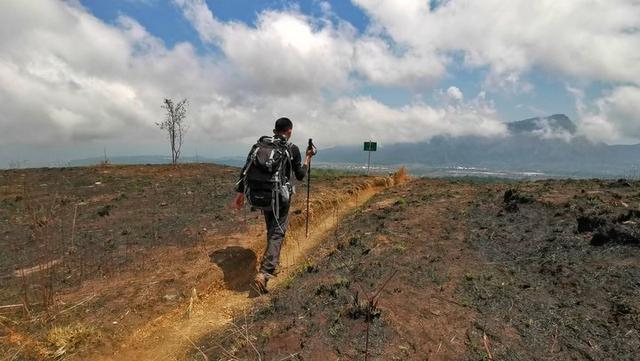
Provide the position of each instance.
(536, 144)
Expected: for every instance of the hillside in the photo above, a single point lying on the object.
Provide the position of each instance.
(95, 258)
(533, 145)
(148, 263)
(460, 271)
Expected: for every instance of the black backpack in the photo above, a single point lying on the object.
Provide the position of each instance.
(266, 186)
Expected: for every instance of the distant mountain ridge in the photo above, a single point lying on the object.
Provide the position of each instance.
(531, 146)
(157, 159)
(556, 122)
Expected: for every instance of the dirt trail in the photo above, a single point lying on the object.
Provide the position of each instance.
(171, 336)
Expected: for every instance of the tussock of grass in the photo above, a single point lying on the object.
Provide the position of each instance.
(64, 339)
(288, 281)
(401, 176)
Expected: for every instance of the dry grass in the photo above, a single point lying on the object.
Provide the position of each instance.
(64, 339)
(401, 176)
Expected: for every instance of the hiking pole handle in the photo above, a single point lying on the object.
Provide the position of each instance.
(311, 147)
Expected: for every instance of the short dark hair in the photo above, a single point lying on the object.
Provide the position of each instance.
(282, 125)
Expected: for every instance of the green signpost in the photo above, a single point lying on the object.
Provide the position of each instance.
(370, 147)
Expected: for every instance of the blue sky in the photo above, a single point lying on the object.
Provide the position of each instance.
(164, 19)
(90, 74)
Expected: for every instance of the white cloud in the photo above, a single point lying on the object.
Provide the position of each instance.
(202, 19)
(289, 52)
(546, 130)
(286, 53)
(376, 61)
(325, 7)
(349, 120)
(596, 40)
(455, 94)
(614, 118)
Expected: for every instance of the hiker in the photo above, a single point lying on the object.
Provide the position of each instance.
(266, 183)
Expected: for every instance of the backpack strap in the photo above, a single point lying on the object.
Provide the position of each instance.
(250, 160)
(289, 156)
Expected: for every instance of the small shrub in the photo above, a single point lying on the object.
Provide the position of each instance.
(401, 202)
(310, 267)
(104, 211)
(332, 290)
(399, 247)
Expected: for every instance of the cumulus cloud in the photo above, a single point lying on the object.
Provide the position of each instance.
(66, 77)
(375, 60)
(615, 116)
(289, 52)
(350, 119)
(577, 38)
(455, 94)
(285, 53)
(62, 75)
(547, 130)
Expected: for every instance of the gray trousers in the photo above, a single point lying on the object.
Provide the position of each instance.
(276, 229)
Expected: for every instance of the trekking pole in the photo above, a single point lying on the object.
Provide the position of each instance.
(314, 150)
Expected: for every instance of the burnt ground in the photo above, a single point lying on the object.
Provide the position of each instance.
(546, 270)
(405, 243)
(96, 251)
(88, 255)
(457, 270)
(562, 273)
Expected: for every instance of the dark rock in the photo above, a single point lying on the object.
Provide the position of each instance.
(513, 195)
(588, 223)
(620, 183)
(616, 233)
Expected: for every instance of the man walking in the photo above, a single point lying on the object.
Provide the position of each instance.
(265, 181)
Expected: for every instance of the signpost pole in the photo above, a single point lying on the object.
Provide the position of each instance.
(369, 162)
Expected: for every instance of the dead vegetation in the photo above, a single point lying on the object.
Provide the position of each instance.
(64, 339)
(90, 246)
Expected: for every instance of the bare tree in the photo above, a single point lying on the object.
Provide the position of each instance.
(175, 125)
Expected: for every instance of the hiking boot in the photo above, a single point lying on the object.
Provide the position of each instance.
(260, 283)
